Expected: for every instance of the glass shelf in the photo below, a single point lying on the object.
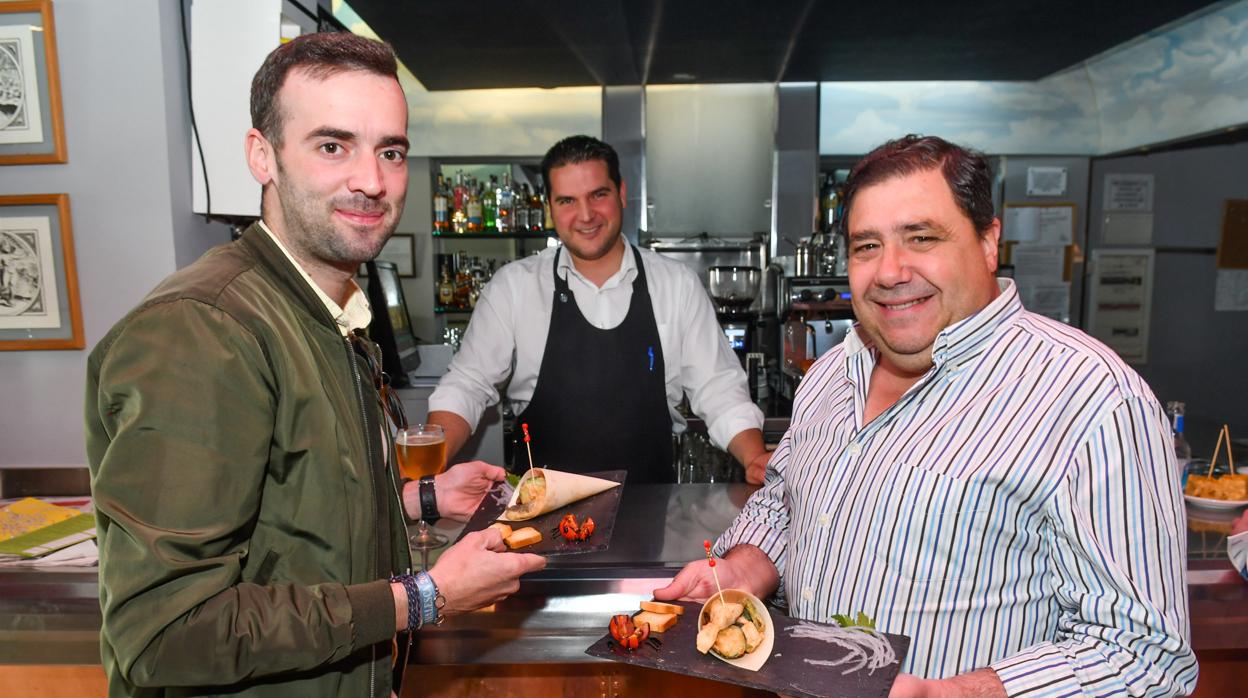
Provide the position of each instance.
(495, 236)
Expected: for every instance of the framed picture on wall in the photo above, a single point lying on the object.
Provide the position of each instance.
(400, 250)
(39, 306)
(31, 127)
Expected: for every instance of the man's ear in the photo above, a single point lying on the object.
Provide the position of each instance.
(623, 194)
(261, 157)
(990, 240)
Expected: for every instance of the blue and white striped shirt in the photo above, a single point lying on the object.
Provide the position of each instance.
(1018, 507)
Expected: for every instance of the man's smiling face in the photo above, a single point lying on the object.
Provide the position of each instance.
(916, 265)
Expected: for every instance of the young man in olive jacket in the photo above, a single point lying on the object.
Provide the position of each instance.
(251, 523)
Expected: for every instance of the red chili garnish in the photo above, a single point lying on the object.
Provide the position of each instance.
(629, 636)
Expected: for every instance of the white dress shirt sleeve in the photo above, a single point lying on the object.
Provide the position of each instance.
(1118, 554)
(710, 371)
(1237, 548)
(764, 521)
(484, 359)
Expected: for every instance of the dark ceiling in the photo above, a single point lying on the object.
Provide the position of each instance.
(536, 43)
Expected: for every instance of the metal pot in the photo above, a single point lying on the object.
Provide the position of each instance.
(733, 287)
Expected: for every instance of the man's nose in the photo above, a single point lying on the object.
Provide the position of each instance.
(584, 211)
(894, 266)
(366, 177)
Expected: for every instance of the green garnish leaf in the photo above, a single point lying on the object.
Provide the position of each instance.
(513, 479)
(861, 620)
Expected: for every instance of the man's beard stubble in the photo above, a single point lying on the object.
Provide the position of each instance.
(310, 225)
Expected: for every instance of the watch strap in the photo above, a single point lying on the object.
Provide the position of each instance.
(428, 500)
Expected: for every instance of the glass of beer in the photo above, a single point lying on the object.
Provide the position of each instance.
(421, 449)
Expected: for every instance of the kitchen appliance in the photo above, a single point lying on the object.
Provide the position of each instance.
(733, 290)
(816, 315)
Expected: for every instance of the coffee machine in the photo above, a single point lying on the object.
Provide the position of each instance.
(733, 290)
(815, 315)
(732, 271)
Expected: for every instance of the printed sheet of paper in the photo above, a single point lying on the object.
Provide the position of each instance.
(1121, 294)
(1042, 225)
(1129, 192)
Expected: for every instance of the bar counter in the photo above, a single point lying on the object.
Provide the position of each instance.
(52, 617)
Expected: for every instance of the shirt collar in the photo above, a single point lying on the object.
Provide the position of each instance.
(355, 316)
(625, 275)
(958, 342)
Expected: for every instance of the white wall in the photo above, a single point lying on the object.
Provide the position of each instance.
(129, 187)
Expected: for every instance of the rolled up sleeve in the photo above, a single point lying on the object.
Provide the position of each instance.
(710, 371)
(483, 361)
(764, 521)
(1116, 534)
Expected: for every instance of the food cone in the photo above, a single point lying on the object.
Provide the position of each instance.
(752, 661)
(561, 489)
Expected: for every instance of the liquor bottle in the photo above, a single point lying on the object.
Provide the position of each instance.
(537, 217)
(521, 221)
(474, 210)
(441, 214)
(1182, 449)
(549, 222)
(459, 216)
(463, 280)
(489, 205)
(506, 205)
(446, 289)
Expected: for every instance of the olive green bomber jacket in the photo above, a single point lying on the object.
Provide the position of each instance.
(245, 519)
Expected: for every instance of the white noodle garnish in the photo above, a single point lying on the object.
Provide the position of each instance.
(502, 495)
(866, 647)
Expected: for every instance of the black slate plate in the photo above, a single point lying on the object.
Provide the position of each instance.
(785, 672)
(601, 507)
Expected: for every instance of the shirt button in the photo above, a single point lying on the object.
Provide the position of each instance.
(855, 449)
(807, 594)
(823, 520)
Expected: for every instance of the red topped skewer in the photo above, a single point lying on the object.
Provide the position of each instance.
(527, 447)
(711, 561)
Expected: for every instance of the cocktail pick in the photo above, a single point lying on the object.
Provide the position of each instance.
(711, 561)
(527, 447)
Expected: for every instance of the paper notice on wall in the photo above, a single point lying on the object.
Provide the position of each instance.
(1231, 290)
(1039, 274)
(1042, 225)
(1129, 192)
(1049, 300)
(1121, 295)
(1127, 229)
(1046, 181)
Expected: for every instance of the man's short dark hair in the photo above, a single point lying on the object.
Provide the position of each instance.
(966, 172)
(321, 56)
(577, 149)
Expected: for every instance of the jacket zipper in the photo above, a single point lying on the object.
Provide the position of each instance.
(368, 440)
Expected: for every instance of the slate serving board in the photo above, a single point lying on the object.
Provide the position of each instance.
(601, 507)
(785, 672)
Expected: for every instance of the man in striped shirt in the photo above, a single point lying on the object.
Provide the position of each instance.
(997, 486)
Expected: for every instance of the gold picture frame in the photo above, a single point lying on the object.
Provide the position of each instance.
(39, 304)
(32, 130)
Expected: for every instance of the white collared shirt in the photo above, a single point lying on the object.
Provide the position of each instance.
(355, 316)
(507, 337)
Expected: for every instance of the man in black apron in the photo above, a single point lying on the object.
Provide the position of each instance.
(600, 400)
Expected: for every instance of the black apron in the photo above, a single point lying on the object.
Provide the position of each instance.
(601, 400)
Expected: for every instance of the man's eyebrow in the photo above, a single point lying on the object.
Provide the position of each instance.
(922, 225)
(867, 234)
(389, 141)
(330, 132)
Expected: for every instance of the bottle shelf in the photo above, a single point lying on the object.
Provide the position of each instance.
(444, 310)
(495, 236)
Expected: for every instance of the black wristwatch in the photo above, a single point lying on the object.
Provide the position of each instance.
(428, 500)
